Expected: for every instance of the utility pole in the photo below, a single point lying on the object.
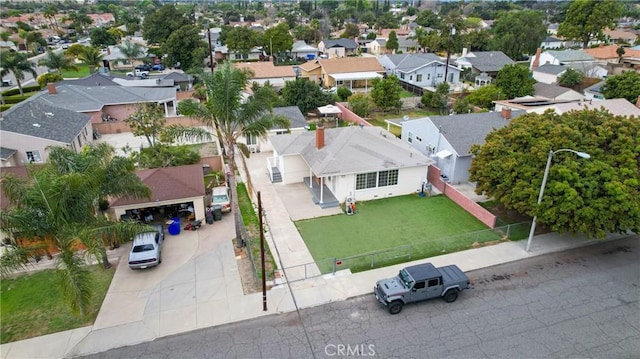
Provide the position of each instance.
(264, 275)
(446, 68)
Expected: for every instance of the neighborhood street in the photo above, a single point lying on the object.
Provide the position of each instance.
(581, 303)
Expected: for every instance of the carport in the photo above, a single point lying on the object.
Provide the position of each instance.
(174, 190)
(356, 76)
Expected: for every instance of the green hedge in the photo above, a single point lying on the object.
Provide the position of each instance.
(3, 108)
(16, 91)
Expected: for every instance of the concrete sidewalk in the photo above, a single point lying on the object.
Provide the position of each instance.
(198, 284)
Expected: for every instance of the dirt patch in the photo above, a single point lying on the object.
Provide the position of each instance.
(250, 284)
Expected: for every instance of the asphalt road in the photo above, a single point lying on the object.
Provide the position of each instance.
(579, 304)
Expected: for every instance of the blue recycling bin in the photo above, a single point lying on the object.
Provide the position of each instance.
(174, 226)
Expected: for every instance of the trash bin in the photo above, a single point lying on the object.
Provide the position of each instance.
(217, 212)
(209, 215)
(174, 226)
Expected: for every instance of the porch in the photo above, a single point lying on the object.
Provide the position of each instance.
(328, 199)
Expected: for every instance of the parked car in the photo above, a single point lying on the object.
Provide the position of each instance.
(158, 67)
(7, 82)
(221, 197)
(146, 250)
(144, 67)
(420, 282)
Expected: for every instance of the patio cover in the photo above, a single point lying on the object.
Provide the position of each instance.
(329, 110)
(352, 76)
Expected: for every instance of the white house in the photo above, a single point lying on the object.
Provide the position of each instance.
(362, 163)
(549, 73)
(555, 92)
(297, 123)
(448, 139)
(422, 70)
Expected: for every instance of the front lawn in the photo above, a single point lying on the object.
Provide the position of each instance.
(398, 229)
(83, 70)
(32, 304)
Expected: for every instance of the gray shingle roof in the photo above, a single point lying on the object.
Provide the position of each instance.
(549, 91)
(177, 77)
(93, 98)
(570, 55)
(91, 80)
(350, 150)
(489, 61)
(346, 43)
(34, 118)
(294, 115)
(551, 69)
(463, 131)
(410, 62)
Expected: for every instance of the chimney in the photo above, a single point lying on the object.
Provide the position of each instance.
(464, 52)
(319, 137)
(51, 87)
(506, 113)
(536, 59)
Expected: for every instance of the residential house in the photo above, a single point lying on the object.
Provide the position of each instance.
(8, 45)
(352, 72)
(102, 20)
(576, 59)
(551, 42)
(358, 162)
(530, 104)
(29, 128)
(604, 55)
(297, 123)
(407, 45)
(548, 73)
(337, 48)
(173, 189)
(555, 92)
(483, 63)
(420, 71)
(377, 47)
(615, 106)
(115, 59)
(222, 53)
(266, 71)
(619, 36)
(448, 139)
(300, 50)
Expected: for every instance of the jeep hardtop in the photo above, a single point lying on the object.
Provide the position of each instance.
(420, 282)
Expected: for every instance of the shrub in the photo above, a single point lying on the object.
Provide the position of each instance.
(25, 89)
(166, 156)
(343, 93)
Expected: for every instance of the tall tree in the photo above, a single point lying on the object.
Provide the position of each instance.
(232, 117)
(91, 57)
(57, 61)
(586, 19)
(518, 33)
(277, 40)
(100, 37)
(626, 85)
(17, 63)
(240, 39)
(515, 81)
(305, 94)
(58, 202)
(158, 26)
(392, 42)
(592, 196)
(386, 93)
(131, 51)
(185, 47)
(485, 95)
(351, 31)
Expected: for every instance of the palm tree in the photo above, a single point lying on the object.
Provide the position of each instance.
(131, 51)
(58, 62)
(50, 13)
(59, 202)
(17, 63)
(91, 57)
(232, 117)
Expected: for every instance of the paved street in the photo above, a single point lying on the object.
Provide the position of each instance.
(581, 304)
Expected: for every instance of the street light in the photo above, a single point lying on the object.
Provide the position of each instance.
(544, 183)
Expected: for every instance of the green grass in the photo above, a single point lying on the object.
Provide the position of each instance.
(32, 304)
(251, 222)
(83, 70)
(406, 94)
(404, 228)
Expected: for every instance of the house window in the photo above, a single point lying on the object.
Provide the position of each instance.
(440, 75)
(428, 77)
(252, 140)
(402, 75)
(419, 78)
(34, 156)
(410, 137)
(411, 78)
(339, 82)
(376, 179)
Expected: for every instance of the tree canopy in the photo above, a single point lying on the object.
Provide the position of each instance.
(239, 39)
(518, 33)
(185, 47)
(515, 81)
(386, 93)
(17, 63)
(100, 37)
(586, 19)
(570, 78)
(305, 94)
(159, 25)
(392, 42)
(277, 40)
(58, 62)
(626, 85)
(485, 95)
(592, 196)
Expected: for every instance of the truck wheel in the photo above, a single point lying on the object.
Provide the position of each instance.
(451, 295)
(395, 307)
